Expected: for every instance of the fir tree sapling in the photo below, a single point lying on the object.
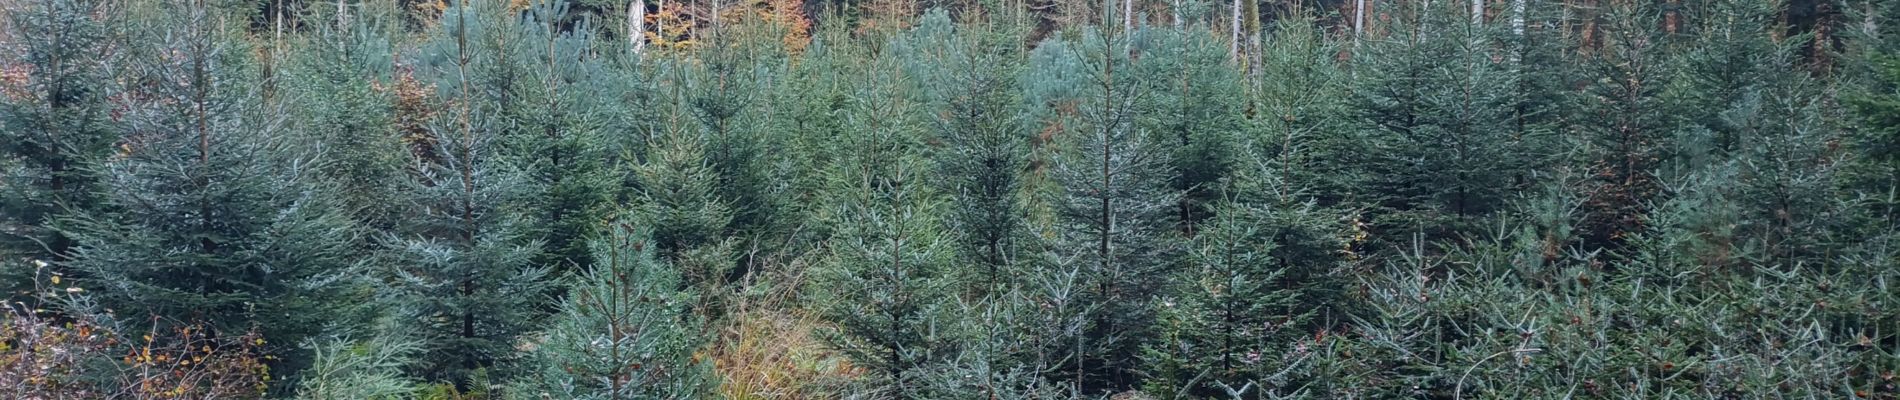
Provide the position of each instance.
(556, 130)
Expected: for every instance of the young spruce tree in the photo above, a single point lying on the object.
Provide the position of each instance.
(55, 128)
(970, 87)
(890, 267)
(1439, 113)
(462, 267)
(1116, 206)
(625, 329)
(214, 216)
(555, 129)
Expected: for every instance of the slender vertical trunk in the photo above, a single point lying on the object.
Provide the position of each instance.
(1867, 24)
(277, 29)
(1517, 17)
(897, 280)
(1234, 45)
(467, 287)
(1128, 14)
(1358, 19)
(1252, 13)
(1477, 12)
(636, 25)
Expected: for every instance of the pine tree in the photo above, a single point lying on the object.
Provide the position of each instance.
(889, 272)
(214, 217)
(624, 330)
(55, 128)
(1116, 209)
(462, 270)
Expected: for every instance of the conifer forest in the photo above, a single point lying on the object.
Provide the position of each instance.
(949, 199)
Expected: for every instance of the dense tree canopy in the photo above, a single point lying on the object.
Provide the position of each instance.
(1054, 199)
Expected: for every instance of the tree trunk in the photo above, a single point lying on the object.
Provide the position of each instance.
(1359, 19)
(1128, 15)
(1517, 17)
(636, 25)
(1234, 48)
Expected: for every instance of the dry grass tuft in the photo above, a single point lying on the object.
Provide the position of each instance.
(778, 355)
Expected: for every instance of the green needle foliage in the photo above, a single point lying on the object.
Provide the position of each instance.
(462, 269)
(624, 331)
(55, 128)
(1050, 199)
(215, 217)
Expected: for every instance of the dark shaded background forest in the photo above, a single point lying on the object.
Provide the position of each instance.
(985, 199)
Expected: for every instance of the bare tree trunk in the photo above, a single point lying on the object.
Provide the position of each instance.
(1252, 12)
(636, 25)
(1234, 48)
(1128, 15)
(1477, 12)
(1517, 17)
(1358, 19)
(1867, 24)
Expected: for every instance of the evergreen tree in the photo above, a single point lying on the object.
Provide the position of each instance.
(214, 217)
(462, 268)
(970, 87)
(1197, 110)
(1784, 166)
(624, 330)
(890, 265)
(55, 127)
(1871, 173)
(340, 85)
(1261, 278)
(1624, 121)
(678, 196)
(724, 90)
(1116, 207)
(1303, 121)
(1440, 117)
(555, 124)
